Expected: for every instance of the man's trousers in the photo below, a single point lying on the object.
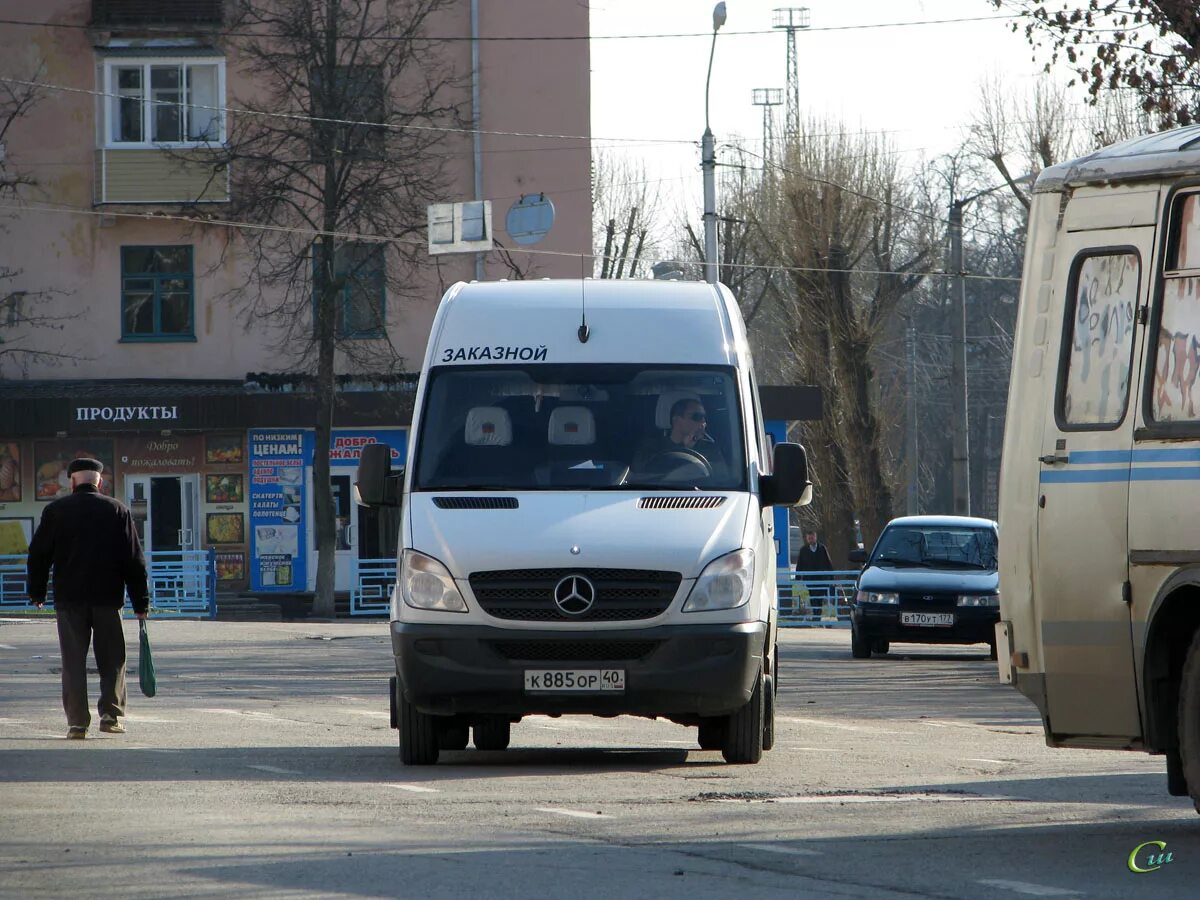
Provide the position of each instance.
(78, 626)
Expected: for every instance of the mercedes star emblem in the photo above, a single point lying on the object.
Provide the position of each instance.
(574, 595)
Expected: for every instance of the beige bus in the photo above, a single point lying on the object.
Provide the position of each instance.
(1100, 484)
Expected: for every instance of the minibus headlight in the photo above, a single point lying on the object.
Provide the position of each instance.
(725, 583)
(426, 584)
(876, 597)
(992, 601)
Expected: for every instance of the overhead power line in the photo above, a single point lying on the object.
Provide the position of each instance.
(314, 233)
(545, 37)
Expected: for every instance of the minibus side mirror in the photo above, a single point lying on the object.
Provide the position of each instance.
(377, 484)
(788, 484)
(858, 556)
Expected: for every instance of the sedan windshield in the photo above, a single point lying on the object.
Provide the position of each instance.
(936, 546)
(599, 427)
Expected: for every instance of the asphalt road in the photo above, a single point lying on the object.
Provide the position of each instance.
(265, 767)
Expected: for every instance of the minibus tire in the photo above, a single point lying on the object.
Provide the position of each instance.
(492, 733)
(454, 735)
(769, 713)
(1189, 719)
(418, 734)
(744, 729)
(860, 647)
(711, 734)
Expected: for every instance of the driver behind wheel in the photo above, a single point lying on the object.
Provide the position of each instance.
(687, 436)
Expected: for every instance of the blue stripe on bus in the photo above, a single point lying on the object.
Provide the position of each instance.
(1100, 456)
(1136, 473)
(1191, 454)
(1094, 457)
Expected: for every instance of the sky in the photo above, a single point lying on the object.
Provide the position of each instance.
(919, 82)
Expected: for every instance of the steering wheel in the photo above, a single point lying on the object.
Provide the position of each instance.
(684, 458)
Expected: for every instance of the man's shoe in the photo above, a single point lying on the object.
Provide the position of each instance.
(76, 733)
(112, 726)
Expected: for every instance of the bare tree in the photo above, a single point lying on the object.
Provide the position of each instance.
(854, 249)
(23, 311)
(627, 213)
(343, 180)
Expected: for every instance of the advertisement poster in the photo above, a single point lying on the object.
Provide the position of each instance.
(10, 472)
(51, 458)
(277, 504)
(346, 444)
(15, 535)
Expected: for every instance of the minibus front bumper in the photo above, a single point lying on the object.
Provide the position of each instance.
(681, 672)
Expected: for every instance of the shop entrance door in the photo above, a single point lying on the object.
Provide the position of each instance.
(346, 514)
(165, 510)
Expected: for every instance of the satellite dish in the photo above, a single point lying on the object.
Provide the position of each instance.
(529, 219)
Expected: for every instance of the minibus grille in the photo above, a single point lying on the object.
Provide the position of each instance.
(475, 502)
(575, 651)
(621, 595)
(680, 502)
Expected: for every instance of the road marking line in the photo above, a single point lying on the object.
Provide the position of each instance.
(790, 851)
(999, 762)
(5, 720)
(152, 719)
(945, 724)
(1032, 890)
(573, 813)
(416, 788)
(250, 714)
(824, 723)
(372, 713)
(7, 647)
(275, 770)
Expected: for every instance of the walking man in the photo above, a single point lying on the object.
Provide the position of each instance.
(812, 562)
(91, 543)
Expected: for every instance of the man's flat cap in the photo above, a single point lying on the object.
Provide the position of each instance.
(85, 465)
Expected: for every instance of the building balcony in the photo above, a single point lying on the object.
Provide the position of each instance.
(154, 176)
(107, 14)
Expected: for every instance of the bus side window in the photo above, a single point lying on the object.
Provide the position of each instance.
(1177, 349)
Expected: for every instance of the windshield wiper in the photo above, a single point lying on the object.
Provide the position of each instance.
(901, 563)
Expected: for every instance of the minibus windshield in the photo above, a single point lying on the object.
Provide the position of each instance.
(580, 427)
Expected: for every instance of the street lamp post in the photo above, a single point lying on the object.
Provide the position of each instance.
(708, 162)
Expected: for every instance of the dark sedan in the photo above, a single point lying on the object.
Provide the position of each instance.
(928, 580)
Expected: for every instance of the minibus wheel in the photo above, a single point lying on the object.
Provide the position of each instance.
(744, 728)
(1189, 719)
(769, 713)
(418, 733)
(492, 733)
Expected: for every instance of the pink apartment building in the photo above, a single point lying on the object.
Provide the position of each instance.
(202, 420)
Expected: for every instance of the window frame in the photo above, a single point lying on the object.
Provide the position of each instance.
(1070, 305)
(379, 275)
(373, 145)
(1168, 242)
(158, 336)
(110, 97)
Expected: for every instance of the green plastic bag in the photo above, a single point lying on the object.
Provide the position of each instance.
(146, 663)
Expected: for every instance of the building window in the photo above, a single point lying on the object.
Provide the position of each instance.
(360, 310)
(356, 95)
(1098, 339)
(157, 294)
(153, 102)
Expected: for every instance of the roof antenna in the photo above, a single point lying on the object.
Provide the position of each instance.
(584, 332)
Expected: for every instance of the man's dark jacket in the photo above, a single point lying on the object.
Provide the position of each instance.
(815, 560)
(91, 542)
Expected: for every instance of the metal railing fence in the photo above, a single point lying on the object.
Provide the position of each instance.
(371, 593)
(815, 599)
(183, 584)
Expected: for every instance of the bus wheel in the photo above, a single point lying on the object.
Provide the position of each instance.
(744, 728)
(418, 734)
(1189, 719)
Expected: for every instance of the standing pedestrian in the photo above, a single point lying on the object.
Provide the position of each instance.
(93, 547)
(812, 562)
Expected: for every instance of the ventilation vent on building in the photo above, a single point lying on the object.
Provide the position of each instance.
(680, 502)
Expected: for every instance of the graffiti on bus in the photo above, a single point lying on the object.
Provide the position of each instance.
(1102, 339)
(1178, 359)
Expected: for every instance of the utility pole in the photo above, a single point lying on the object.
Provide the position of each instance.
(961, 451)
(708, 163)
(910, 452)
(791, 19)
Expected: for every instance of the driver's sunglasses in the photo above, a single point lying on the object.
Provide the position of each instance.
(698, 417)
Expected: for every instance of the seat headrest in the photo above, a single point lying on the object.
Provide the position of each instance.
(488, 426)
(572, 425)
(662, 412)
